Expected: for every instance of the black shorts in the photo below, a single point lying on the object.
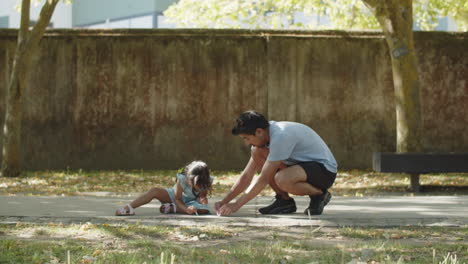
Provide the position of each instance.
(317, 175)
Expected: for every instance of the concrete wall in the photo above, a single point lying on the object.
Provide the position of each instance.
(159, 98)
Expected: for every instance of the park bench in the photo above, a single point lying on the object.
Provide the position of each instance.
(419, 163)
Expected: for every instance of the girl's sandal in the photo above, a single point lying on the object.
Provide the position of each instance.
(167, 208)
(125, 211)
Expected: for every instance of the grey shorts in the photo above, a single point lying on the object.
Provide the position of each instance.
(317, 175)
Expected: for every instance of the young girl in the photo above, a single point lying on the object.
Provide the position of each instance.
(188, 196)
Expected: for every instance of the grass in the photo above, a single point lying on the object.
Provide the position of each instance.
(447, 234)
(348, 183)
(134, 243)
(87, 243)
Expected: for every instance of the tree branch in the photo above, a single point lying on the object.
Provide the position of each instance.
(371, 4)
(24, 24)
(44, 19)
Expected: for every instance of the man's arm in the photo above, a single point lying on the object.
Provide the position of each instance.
(268, 172)
(241, 183)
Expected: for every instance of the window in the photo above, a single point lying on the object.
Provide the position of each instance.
(4, 22)
(145, 21)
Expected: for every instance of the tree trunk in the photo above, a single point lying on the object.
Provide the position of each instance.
(11, 163)
(396, 20)
(28, 44)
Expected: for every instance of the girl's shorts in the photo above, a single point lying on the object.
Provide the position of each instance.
(187, 201)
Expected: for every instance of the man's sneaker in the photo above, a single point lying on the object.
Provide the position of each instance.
(280, 206)
(317, 203)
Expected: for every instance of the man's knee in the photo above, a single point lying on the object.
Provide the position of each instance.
(282, 180)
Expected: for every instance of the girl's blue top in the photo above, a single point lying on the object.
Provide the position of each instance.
(187, 191)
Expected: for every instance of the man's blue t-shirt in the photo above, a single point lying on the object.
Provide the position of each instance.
(293, 142)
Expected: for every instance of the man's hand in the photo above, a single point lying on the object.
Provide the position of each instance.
(191, 210)
(218, 206)
(228, 209)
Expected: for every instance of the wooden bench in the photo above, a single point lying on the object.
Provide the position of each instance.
(419, 163)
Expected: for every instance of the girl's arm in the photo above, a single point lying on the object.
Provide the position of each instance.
(203, 197)
(181, 207)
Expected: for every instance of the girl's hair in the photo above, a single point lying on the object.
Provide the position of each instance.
(199, 175)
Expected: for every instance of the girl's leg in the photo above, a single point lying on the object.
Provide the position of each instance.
(201, 208)
(168, 208)
(154, 193)
(202, 211)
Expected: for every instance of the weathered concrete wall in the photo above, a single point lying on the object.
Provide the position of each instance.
(160, 98)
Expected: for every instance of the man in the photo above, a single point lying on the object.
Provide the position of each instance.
(290, 157)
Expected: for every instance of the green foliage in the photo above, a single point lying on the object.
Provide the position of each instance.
(427, 12)
(279, 14)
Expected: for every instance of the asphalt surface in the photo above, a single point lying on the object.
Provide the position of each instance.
(385, 211)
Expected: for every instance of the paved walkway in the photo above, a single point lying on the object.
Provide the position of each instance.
(342, 211)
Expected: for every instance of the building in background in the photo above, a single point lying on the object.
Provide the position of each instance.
(120, 14)
(94, 14)
(10, 17)
(126, 14)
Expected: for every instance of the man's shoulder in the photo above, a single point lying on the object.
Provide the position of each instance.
(287, 126)
(292, 132)
(283, 132)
